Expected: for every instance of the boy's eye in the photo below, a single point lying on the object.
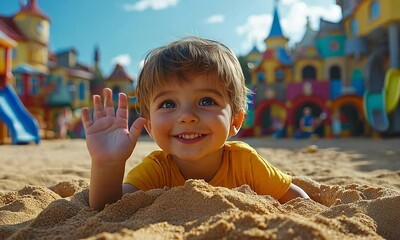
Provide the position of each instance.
(168, 104)
(207, 102)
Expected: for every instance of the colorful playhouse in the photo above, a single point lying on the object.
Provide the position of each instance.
(346, 72)
(37, 84)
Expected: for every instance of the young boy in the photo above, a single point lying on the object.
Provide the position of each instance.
(192, 97)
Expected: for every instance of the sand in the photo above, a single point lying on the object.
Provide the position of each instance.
(354, 185)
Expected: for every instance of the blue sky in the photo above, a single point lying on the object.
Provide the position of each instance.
(125, 30)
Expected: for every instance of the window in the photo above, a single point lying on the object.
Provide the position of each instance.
(72, 89)
(309, 73)
(279, 75)
(59, 82)
(374, 10)
(334, 73)
(39, 27)
(34, 86)
(116, 91)
(260, 77)
(48, 80)
(82, 89)
(14, 53)
(19, 84)
(354, 27)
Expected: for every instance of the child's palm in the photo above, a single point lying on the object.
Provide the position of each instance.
(107, 136)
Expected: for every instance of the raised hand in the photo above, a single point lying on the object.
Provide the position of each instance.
(108, 138)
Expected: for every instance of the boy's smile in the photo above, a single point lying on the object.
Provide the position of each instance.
(192, 119)
(190, 137)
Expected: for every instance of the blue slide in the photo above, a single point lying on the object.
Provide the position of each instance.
(23, 126)
(375, 111)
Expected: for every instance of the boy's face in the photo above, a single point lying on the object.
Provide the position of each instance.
(192, 120)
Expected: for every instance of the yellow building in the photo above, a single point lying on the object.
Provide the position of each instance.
(70, 81)
(32, 30)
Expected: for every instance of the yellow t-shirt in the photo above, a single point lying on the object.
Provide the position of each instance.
(241, 165)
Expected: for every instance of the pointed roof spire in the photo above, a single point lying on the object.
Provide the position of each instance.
(309, 36)
(33, 8)
(255, 49)
(97, 70)
(276, 29)
(308, 23)
(96, 54)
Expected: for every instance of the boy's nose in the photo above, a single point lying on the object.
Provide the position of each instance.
(188, 116)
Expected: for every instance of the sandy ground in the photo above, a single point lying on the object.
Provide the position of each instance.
(354, 185)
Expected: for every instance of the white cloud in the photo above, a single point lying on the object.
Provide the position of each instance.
(288, 2)
(218, 18)
(293, 17)
(123, 59)
(255, 30)
(142, 5)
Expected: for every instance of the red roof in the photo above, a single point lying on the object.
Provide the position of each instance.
(33, 8)
(8, 27)
(119, 74)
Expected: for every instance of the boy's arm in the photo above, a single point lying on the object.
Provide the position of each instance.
(110, 144)
(105, 184)
(293, 192)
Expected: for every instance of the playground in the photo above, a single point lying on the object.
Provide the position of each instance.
(347, 73)
(338, 91)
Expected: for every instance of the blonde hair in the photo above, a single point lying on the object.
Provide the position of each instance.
(192, 56)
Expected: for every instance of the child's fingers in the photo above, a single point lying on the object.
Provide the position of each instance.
(108, 102)
(122, 110)
(97, 108)
(136, 129)
(86, 118)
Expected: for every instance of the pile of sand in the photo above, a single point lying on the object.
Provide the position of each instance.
(200, 211)
(349, 210)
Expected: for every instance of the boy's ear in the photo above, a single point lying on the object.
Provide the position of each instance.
(236, 124)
